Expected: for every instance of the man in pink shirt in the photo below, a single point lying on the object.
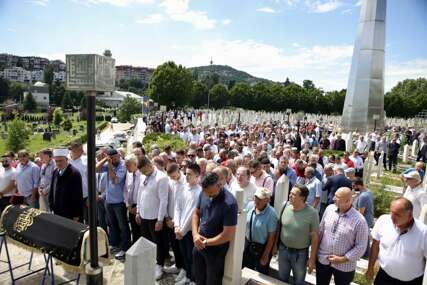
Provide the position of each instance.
(259, 177)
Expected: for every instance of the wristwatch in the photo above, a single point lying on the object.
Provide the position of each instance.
(205, 242)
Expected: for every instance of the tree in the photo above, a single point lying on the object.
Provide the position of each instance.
(199, 94)
(218, 96)
(48, 74)
(16, 90)
(129, 107)
(18, 135)
(241, 95)
(58, 117)
(308, 84)
(67, 102)
(4, 90)
(56, 93)
(171, 84)
(30, 104)
(67, 125)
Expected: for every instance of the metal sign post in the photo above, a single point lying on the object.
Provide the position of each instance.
(91, 73)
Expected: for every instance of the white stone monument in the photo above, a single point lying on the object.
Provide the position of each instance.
(380, 165)
(405, 153)
(414, 148)
(281, 193)
(233, 259)
(140, 263)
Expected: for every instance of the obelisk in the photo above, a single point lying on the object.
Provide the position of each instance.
(364, 101)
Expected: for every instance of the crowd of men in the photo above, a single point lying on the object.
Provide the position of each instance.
(184, 200)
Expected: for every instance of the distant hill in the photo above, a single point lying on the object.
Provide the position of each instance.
(226, 74)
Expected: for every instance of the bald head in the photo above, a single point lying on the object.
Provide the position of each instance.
(344, 192)
(402, 204)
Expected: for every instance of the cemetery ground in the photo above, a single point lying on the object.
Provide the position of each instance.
(61, 137)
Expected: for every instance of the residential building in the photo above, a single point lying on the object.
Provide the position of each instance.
(59, 76)
(40, 92)
(17, 74)
(128, 72)
(115, 99)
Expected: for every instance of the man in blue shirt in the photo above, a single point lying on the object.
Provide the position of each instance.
(119, 234)
(365, 205)
(261, 223)
(27, 178)
(213, 226)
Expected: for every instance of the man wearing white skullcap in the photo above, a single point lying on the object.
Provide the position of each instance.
(66, 197)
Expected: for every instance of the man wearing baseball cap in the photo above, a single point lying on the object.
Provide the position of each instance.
(261, 223)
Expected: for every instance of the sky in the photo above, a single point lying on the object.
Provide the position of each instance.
(273, 39)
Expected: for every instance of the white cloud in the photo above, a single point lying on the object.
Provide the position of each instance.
(266, 10)
(151, 19)
(118, 3)
(347, 12)
(398, 71)
(179, 11)
(323, 6)
(358, 3)
(226, 22)
(42, 3)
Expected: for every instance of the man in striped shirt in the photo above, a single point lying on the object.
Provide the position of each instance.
(343, 240)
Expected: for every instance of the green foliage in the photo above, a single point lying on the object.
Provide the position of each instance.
(162, 140)
(16, 90)
(407, 98)
(18, 134)
(4, 90)
(218, 96)
(329, 152)
(171, 84)
(48, 74)
(67, 125)
(129, 107)
(56, 93)
(382, 200)
(30, 104)
(58, 117)
(67, 102)
(199, 94)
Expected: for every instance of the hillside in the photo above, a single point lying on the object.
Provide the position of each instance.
(225, 73)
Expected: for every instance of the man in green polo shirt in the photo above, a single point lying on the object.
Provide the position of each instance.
(299, 228)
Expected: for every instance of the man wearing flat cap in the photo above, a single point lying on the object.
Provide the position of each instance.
(415, 192)
(66, 194)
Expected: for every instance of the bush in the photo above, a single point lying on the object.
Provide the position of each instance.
(18, 135)
(162, 140)
(382, 200)
(67, 125)
(329, 152)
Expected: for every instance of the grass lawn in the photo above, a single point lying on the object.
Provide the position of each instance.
(36, 142)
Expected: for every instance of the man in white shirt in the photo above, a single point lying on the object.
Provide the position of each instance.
(133, 179)
(358, 163)
(7, 182)
(79, 161)
(186, 202)
(151, 208)
(400, 244)
(361, 144)
(177, 183)
(415, 192)
(243, 182)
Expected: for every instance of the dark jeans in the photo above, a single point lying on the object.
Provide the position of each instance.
(119, 234)
(252, 260)
(377, 157)
(392, 163)
(295, 260)
(134, 227)
(148, 232)
(384, 279)
(169, 236)
(325, 272)
(186, 245)
(208, 265)
(4, 202)
(102, 215)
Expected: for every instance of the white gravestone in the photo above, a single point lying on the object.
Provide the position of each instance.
(349, 142)
(233, 259)
(414, 148)
(140, 263)
(281, 193)
(405, 153)
(380, 165)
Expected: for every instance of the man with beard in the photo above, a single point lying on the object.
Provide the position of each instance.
(7, 182)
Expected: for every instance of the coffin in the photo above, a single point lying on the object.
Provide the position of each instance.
(64, 239)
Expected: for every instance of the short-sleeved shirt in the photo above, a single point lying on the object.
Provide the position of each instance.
(217, 212)
(262, 224)
(402, 256)
(115, 192)
(366, 200)
(297, 226)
